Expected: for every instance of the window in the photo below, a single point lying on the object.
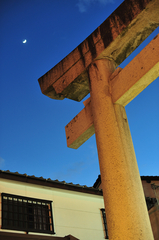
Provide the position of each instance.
(104, 222)
(26, 214)
(150, 202)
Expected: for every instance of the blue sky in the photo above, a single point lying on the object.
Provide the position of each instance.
(32, 126)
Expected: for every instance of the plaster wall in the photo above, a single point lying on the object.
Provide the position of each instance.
(153, 212)
(74, 212)
(148, 191)
(154, 219)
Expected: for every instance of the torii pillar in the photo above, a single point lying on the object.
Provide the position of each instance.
(89, 68)
(126, 212)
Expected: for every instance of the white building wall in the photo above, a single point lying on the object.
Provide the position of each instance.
(74, 213)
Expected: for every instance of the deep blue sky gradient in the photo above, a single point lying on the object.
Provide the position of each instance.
(32, 126)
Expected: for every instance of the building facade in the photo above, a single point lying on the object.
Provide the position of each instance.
(38, 208)
(151, 191)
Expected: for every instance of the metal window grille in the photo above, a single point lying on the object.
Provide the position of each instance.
(104, 222)
(156, 191)
(26, 214)
(150, 202)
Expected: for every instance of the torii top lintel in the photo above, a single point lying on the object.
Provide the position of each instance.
(116, 38)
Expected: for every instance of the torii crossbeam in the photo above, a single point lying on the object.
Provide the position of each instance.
(125, 85)
(91, 68)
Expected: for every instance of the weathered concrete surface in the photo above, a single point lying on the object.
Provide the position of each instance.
(125, 84)
(118, 36)
(127, 216)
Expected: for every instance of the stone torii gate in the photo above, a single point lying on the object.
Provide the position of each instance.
(91, 68)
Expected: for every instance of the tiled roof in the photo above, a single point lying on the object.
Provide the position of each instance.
(150, 178)
(97, 182)
(48, 182)
(146, 178)
(61, 184)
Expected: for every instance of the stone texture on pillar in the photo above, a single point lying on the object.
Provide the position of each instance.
(126, 212)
